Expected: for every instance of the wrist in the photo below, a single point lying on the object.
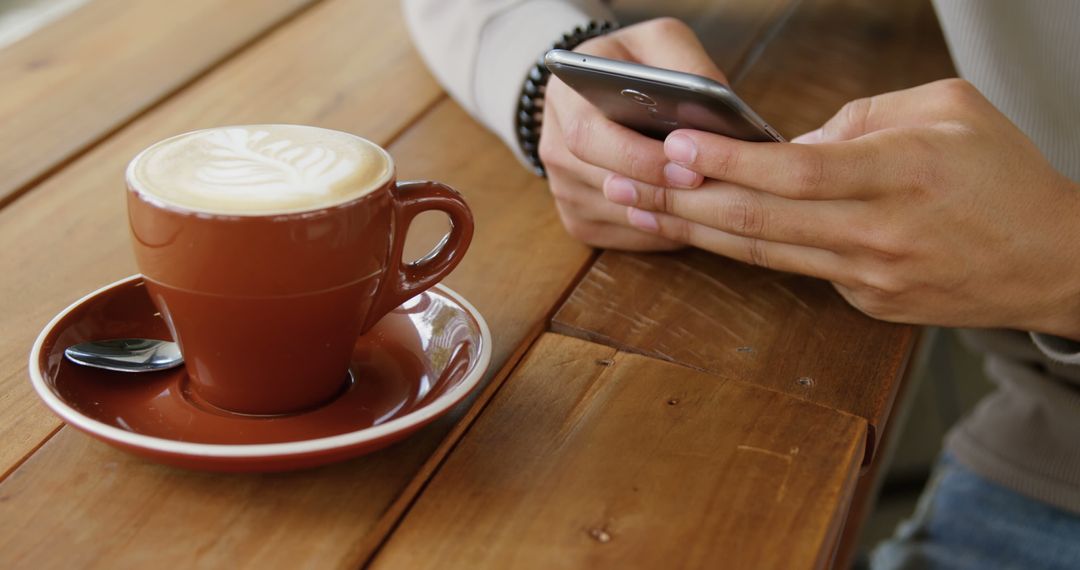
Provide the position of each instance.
(529, 115)
(508, 43)
(1063, 315)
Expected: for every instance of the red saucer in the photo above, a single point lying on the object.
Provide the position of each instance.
(412, 367)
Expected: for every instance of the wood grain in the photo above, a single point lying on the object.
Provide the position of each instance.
(868, 488)
(833, 51)
(76, 502)
(73, 82)
(69, 235)
(731, 31)
(171, 516)
(788, 333)
(593, 458)
(255, 521)
(781, 331)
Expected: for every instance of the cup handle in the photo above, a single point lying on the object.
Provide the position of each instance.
(404, 281)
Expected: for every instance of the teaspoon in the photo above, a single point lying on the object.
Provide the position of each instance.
(126, 354)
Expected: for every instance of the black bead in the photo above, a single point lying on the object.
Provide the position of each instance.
(527, 134)
(531, 103)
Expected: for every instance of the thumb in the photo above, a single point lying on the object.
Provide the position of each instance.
(853, 120)
(811, 137)
(909, 107)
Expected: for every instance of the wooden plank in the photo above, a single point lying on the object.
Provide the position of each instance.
(788, 333)
(317, 517)
(745, 25)
(833, 51)
(142, 512)
(593, 458)
(729, 30)
(70, 236)
(868, 488)
(73, 82)
(515, 293)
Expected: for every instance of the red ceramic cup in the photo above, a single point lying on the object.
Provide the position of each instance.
(267, 308)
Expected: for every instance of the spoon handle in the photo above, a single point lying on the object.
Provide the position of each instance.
(126, 354)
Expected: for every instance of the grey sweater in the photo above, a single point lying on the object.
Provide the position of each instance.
(1021, 55)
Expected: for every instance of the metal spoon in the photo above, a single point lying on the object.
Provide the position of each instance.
(126, 354)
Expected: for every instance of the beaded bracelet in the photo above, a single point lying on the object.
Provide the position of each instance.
(530, 109)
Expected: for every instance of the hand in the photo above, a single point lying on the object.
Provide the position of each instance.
(580, 147)
(921, 206)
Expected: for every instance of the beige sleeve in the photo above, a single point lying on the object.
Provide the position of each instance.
(481, 50)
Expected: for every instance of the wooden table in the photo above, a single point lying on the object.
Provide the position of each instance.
(641, 411)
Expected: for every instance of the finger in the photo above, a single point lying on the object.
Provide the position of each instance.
(594, 139)
(682, 51)
(578, 185)
(680, 177)
(855, 119)
(583, 209)
(746, 212)
(810, 137)
(585, 202)
(622, 237)
(854, 169)
(560, 163)
(780, 256)
(613, 235)
(914, 107)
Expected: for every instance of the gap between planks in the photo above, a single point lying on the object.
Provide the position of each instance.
(370, 545)
(430, 108)
(757, 47)
(94, 142)
(17, 464)
(89, 147)
(394, 137)
(367, 549)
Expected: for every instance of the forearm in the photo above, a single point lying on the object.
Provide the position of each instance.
(481, 50)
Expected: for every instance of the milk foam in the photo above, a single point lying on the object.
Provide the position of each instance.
(259, 169)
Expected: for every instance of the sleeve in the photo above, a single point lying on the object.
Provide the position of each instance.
(1058, 349)
(481, 50)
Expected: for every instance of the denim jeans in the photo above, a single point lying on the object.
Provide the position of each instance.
(964, 521)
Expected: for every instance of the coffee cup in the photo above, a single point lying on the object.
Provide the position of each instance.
(270, 249)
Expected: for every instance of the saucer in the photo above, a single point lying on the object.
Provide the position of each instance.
(412, 367)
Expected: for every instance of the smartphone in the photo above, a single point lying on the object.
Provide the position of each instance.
(655, 101)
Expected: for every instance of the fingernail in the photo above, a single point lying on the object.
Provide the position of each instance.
(681, 177)
(680, 148)
(642, 219)
(620, 191)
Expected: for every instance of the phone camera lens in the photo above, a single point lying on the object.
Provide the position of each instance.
(638, 97)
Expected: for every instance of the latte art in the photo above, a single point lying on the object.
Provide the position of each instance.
(259, 169)
(244, 167)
